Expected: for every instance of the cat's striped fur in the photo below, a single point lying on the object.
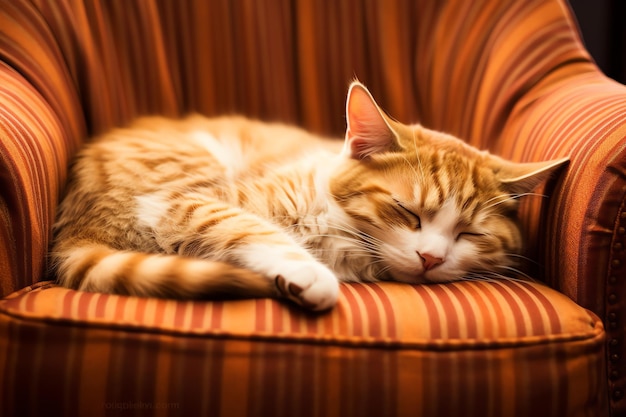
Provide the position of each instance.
(204, 207)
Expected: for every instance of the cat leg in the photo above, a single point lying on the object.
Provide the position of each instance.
(297, 275)
(209, 228)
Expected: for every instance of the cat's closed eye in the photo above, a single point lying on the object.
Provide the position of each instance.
(469, 235)
(417, 222)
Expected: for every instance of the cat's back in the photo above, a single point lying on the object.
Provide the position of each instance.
(172, 159)
(228, 145)
(158, 155)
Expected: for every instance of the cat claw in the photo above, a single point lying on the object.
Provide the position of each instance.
(295, 289)
(284, 287)
(294, 292)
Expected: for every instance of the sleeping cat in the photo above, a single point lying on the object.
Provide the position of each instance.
(208, 207)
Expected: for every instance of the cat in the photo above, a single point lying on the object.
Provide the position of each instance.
(228, 206)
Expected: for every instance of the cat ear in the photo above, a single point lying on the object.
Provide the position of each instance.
(520, 178)
(368, 130)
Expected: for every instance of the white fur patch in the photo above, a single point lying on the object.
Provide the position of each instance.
(227, 150)
(445, 220)
(150, 209)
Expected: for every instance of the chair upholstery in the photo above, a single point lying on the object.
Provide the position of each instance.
(509, 76)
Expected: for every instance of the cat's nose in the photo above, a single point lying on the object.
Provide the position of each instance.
(429, 261)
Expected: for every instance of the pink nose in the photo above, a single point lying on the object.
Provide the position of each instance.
(429, 261)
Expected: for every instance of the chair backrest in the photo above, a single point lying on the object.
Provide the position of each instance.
(455, 65)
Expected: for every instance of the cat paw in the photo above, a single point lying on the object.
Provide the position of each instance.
(312, 286)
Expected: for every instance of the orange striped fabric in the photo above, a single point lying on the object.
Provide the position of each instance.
(469, 348)
(512, 76)
(481, 313)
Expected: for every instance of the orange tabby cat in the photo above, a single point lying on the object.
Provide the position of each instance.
(205, 207)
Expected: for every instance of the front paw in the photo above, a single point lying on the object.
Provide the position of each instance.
(309, 284)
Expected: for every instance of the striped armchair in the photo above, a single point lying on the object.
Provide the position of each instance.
(505, 75)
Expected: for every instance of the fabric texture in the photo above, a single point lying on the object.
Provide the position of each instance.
(505, 75)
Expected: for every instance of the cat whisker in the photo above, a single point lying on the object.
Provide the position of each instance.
(359, 240)
(355, 252)
(358, 234)
(346, 227)
(523, 258)
(368, 247)
(517, 271)
(520, 195)
(417, 175)
(477, 277)
(515, 196)
(509, 197)
(492, 276)
(417, 155)
(486, 276)
(502, 200)
(381, 273)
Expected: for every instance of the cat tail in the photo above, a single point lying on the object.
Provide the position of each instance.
(99, 268)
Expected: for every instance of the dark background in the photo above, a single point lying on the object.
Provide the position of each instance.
(603, 25)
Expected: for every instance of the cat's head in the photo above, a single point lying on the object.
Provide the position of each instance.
(429, 207)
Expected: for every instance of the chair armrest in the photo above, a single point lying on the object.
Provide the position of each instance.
(576, 112)
(41, 125)
(580, 233)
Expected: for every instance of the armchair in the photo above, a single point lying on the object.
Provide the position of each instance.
(509, 76)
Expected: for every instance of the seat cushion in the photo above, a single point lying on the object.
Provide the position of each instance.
(505, 348)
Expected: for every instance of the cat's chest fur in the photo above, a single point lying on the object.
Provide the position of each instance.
(294, 193)
(299, 200)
